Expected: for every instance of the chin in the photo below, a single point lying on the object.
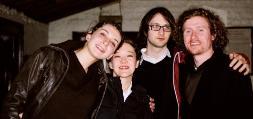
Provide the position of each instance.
(192, 52)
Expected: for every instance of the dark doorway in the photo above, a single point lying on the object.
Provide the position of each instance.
(11, 50)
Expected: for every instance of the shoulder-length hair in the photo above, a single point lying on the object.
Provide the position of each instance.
(144, 26)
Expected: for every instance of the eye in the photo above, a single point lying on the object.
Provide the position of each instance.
(187, 31)
(102, 34)
(167, 26)
(130, 56)
(156, 26)
(116, 56)
(201, 29)
(113, 43)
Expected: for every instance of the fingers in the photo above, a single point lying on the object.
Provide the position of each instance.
(239, 63)
(237, 56)
(247, 71)
(151, 99)
(245, 68)
(232, 63)
(236, 60)
(20, 115)
(231, 55)
(234, 57)
(152, 104)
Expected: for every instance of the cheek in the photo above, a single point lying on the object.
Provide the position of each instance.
(167, 34)
(109, 51)
(186, 39)
(134, 64)
(208, 39)
(114, 64)
(150, 35)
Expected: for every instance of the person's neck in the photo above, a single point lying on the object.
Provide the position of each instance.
(85, 58)
(125, 82)
(154, 52)
(201, 58)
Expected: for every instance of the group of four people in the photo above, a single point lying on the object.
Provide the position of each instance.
(68, 80)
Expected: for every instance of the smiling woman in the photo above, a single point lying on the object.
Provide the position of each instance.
(124, 99)
(62, 80)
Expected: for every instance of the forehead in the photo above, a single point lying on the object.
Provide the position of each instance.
(111, 30)
(158, 18)
(196, 21)
(126, 47)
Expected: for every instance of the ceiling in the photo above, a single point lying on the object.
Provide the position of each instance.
(49, 10)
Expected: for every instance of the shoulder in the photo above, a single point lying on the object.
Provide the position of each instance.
(50, 51)
(70, 44)
(222, 63)
(141, 93)
(220, 60)
(139, 89)
(47, 55)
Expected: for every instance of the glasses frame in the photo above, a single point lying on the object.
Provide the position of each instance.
(153, 27)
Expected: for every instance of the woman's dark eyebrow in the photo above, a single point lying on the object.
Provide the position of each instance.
(108, 33)
(130, 51)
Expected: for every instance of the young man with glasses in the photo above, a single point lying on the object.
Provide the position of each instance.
(155, 73)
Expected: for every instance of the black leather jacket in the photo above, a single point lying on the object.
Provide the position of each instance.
(39, 79)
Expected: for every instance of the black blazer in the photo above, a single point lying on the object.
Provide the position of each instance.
(221, 93)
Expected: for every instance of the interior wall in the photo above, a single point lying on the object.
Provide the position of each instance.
(35, 33)
(232, 12)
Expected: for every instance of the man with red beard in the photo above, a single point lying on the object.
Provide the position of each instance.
(210, 89)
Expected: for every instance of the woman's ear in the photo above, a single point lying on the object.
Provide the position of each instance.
(88, 36)
(137, 63)
(110, 65)
(108, 58)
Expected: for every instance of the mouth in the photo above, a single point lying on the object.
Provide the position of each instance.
(194, 43)
(161, 39)
(124, 67)
(101, 49)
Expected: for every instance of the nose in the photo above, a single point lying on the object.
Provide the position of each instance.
(161, 31)
(193, 35)
(106, 41)
(123, 60)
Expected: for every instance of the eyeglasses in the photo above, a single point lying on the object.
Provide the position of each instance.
(156, 27)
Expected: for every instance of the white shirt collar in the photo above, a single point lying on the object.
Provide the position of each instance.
(153, 60)
(127, 92)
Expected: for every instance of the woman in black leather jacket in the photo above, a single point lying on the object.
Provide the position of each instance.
(61, 81)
